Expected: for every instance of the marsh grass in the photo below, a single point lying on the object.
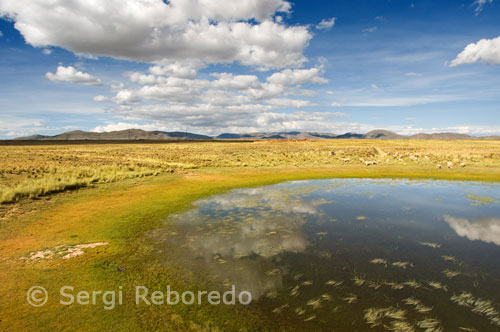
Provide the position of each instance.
(34, 171)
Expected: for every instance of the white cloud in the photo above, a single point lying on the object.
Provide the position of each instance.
(480, 4)
(125, 125)
(70, 74)
(483, 229)
(297, 76)
(177, 69)
(47, 51)
(224, 89)
(1, 34)
(370, 30)
(485, 50)
(412, 74)
(211, 31)
(326, 24)
(336, 104)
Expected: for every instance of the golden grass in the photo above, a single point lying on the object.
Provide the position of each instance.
(33, 171)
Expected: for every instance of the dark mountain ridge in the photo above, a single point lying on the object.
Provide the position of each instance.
(139, 134)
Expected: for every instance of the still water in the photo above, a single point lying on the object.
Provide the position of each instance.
(352, 255)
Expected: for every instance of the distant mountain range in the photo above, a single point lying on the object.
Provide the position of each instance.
(138, 134)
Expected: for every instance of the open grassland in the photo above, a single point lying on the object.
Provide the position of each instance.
(131, 203)
(33, 171)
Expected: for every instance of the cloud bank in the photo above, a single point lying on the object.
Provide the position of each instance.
(211, 31)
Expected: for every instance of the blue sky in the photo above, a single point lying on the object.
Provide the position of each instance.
(267, 65)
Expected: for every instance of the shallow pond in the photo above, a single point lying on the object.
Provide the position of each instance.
(352, 255)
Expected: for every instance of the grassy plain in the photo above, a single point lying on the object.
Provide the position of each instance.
(126, 202)
(34, 171)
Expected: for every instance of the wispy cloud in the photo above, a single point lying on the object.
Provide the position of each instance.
(326, 24)
(370, 30)
(480, 5)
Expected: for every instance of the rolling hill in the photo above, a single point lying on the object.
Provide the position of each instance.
(139, 134)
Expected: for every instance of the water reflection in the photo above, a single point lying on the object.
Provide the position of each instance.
(237, 237)
(483, 229)
(352, 254)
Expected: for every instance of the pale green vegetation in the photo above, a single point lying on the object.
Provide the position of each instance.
(33, 171)
(478, 200)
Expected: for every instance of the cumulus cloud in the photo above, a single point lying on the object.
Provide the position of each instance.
(211, 31)
(178, 38)
(483, 229)
(70, 74)
(221, 89)
(297, 77)
(485, 50)
(326, 24)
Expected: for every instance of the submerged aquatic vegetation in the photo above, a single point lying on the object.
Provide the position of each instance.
(430, 244)
(430, 325)
(334, 283)
(272, 294)
(375, 284)
(375, 317)
(394, 285)
(273, 272)
(401, 326)
(437, 285)
(419, 306)
(478, 200)
(279, 309)
(451, 274)
(326, 297)
(449, 258)
(478, 306)
(351, 298)
(379, 261)
(314, 303)
(412, 284)
(310, 318)
(300, 311)
(402, 265)
(358, 281)
(295, 291)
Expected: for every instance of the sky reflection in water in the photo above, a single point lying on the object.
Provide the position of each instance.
(352, 254)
